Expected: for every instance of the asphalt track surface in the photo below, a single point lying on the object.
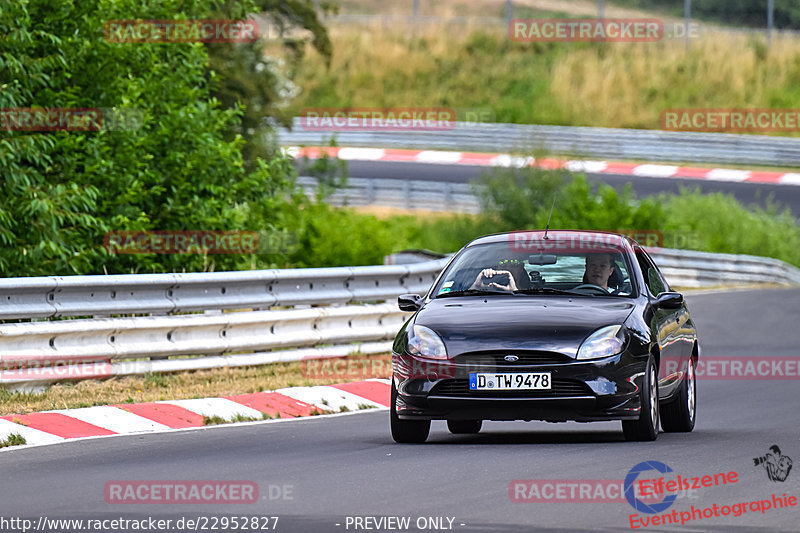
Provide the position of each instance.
(747, 193)
(348, 466)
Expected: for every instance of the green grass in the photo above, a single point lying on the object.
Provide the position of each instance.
(215, 420)
(624, 85)
(15, 439)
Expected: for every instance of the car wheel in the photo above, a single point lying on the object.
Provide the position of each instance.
(646, 428)
(679, 414)
(464, 426)
(407, 431)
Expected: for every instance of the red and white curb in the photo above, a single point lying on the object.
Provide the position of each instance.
(55, 426)
(649, 170)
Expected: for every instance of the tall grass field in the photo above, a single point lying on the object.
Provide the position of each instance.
(625, 85)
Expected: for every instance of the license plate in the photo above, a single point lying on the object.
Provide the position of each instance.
(504, 381)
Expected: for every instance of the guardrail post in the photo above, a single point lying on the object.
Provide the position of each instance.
(687, 13)
(770, 20)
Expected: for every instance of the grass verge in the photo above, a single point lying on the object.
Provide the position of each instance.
(186, 385)
(15, 439)
(216, 420)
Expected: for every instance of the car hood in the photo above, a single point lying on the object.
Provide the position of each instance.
(556, 324)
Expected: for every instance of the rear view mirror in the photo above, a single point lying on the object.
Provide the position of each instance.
(542, 259)
(669, 300)
(409, 302)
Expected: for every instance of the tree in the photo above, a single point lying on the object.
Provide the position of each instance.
(61, 191)
(263, 82)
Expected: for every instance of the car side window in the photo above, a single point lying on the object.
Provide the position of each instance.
(652, 276)
(654, 282)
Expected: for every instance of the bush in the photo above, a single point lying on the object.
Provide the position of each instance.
(521, 199)
(725, 226)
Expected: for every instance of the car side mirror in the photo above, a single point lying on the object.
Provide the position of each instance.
(409, 302)
(669, 300)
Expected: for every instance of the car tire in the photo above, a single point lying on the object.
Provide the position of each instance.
(679, 415)
(461, 427)
(646, 427)
(407, 431)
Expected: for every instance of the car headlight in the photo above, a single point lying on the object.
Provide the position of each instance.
(424, 342)
(602, 343)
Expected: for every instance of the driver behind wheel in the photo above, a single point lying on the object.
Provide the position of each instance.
(599, 268)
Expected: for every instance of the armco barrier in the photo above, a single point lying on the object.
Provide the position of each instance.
(51, 297)
(604, 143)
(42, 351)
(686, 268)
(433, 195)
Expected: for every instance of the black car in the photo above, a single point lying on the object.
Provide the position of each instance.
(546, 325)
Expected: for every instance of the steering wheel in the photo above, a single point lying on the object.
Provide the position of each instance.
(591, 286)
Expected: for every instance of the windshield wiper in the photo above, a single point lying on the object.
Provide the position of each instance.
(471, 292)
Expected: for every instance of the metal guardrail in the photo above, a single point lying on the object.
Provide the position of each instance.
(53, 297)
(42, 351)
(602, 143)
(434, 195)
(36, 352)
(686, 268)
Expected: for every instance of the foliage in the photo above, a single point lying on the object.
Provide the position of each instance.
(62, 191)
(523, 198)
(626, 85)
(259, 76)
(329, 237)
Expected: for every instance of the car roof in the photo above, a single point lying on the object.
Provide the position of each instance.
(605, 237)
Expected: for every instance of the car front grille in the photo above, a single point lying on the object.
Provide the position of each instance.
(524, 358)
(560, 387)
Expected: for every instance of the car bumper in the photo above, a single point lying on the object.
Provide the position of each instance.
(583, 391)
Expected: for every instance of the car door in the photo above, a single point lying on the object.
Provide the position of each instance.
(666, 325)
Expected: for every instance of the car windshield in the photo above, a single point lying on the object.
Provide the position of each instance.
(496, 268)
